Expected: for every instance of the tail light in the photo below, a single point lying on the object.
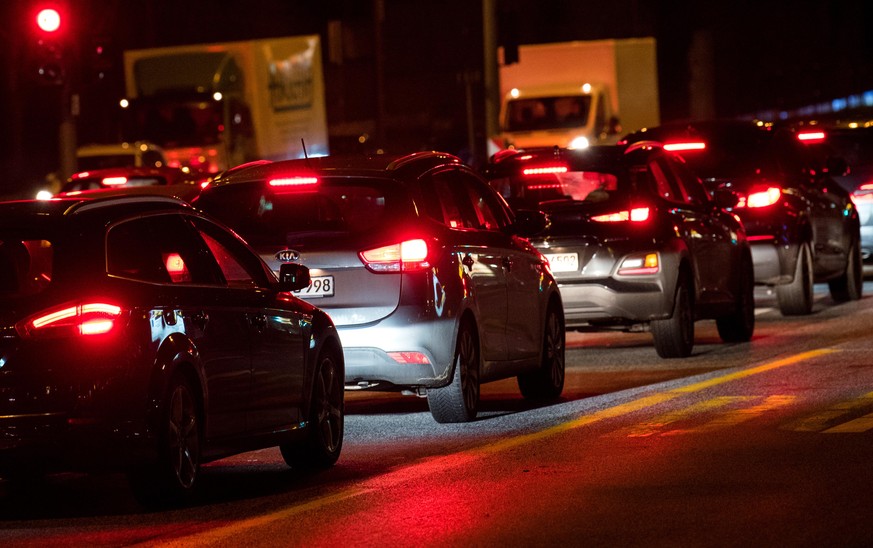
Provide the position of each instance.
(95, 318)
(544, 170)
(685, 146)
(763, 197)
(640, 265)
(291, 183)
(811, 136)
(863, 193)
(407, 256)
(636, 215)
(114, 181)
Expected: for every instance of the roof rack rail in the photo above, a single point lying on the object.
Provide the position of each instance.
(96, 203)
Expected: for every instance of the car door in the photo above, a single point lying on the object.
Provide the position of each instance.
(522, 268)
(480, 258)
(192, 314)
(279, 335)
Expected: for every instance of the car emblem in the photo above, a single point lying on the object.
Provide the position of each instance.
(287, 256)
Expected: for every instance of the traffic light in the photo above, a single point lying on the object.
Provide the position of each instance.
(49, 50)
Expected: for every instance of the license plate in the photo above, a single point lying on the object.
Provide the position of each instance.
(321, 286)
(564, 262)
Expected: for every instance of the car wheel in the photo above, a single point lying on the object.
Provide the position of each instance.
(740, 324)
(173, 477)
(849, 286)
(459, 401)
(547, 382)
(674, 337)
(323, 444)
(795, 298)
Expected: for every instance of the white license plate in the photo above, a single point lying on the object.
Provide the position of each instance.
(321, 286)
(564, 262)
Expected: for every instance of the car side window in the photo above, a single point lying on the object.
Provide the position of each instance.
(444, 204)
(664, 185)
(158, 249)
(692, 188)
(489, 215)
(240, 268)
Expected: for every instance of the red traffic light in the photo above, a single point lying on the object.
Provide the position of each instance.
(48, 20)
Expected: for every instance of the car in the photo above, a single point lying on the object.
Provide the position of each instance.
(803, 226)
(852, 141)
(168, 181)
(420, 264)
(106, 155)
(141, 336)
(634, 240)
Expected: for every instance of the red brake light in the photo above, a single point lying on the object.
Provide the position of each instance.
(81, 319)
(293, 182)
(689, 145)
(407, 256)
(114, 181)
(811, 136)
(544, 170)
(636, 215)
(760, 198)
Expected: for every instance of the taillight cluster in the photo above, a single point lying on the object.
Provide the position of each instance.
(406, 256)
(93, 318)
(760, 197)
(636, 215)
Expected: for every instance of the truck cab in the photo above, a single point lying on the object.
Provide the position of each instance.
(567, 116)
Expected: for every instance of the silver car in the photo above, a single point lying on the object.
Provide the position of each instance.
(419, 263)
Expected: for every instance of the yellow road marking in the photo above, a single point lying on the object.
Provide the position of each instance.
(821, 421)
(440, 464)
(861, 424)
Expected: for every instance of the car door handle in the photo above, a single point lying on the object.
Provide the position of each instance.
(507, 263)
(468, 262)
(200, 319)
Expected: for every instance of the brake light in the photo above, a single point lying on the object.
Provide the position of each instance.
(690, 145)
(114, 181)
(636, 215)
(549, 186)
(407, 256)
(811, 136)
(544, 170)
(760, 198)
(413, 358)
(863, 193)
(82, 319)
(285, 182)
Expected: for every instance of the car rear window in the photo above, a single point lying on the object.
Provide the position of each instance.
(263, 215)
(532, 191)
(25, 266)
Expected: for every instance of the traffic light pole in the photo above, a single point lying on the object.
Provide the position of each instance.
(67, 131)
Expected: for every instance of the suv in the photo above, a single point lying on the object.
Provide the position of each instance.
(635, 241)
(418, 262)
(803, 226)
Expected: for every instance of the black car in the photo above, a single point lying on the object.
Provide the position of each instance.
(139, 335)
(419, 263)
(635, 241)
(803, 226)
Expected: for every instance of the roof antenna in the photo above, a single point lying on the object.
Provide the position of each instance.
(303, 143)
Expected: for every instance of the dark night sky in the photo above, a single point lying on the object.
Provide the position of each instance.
(781, 54)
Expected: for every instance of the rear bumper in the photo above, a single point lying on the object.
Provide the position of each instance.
(773, 261)
(610, 302)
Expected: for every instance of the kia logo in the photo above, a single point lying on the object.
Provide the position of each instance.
(287, 256)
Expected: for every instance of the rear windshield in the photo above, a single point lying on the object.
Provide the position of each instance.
(264, 215)
(112, 182)
(25, 266)
(589, 186)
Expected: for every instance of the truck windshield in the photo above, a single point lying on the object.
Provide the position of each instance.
(535, 113)
(175, 123)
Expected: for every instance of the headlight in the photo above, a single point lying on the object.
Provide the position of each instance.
(579, 142)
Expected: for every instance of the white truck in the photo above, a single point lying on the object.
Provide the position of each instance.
(214, 106)
(575, 94)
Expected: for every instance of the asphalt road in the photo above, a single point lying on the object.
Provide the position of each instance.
(758, 444)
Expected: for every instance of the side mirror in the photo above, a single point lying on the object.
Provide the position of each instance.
(293, 277)
(529, 222)
(725, 198)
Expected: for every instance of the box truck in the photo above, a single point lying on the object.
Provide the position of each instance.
(213, 106)
(575, 94)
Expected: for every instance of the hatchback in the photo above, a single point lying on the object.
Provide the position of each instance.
(635, 241)
(802, 225)
(420, 264)
(141, 336)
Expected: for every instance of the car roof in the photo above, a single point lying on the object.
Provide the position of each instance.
(510, 161)
(23, 212)
(385, 165)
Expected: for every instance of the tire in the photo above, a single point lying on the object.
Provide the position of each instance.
(173, 477)
(547, 382)
(674, 337)
(849, 286)
(795, 298)
(323, 443)
(459, 401)
(740, 324)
